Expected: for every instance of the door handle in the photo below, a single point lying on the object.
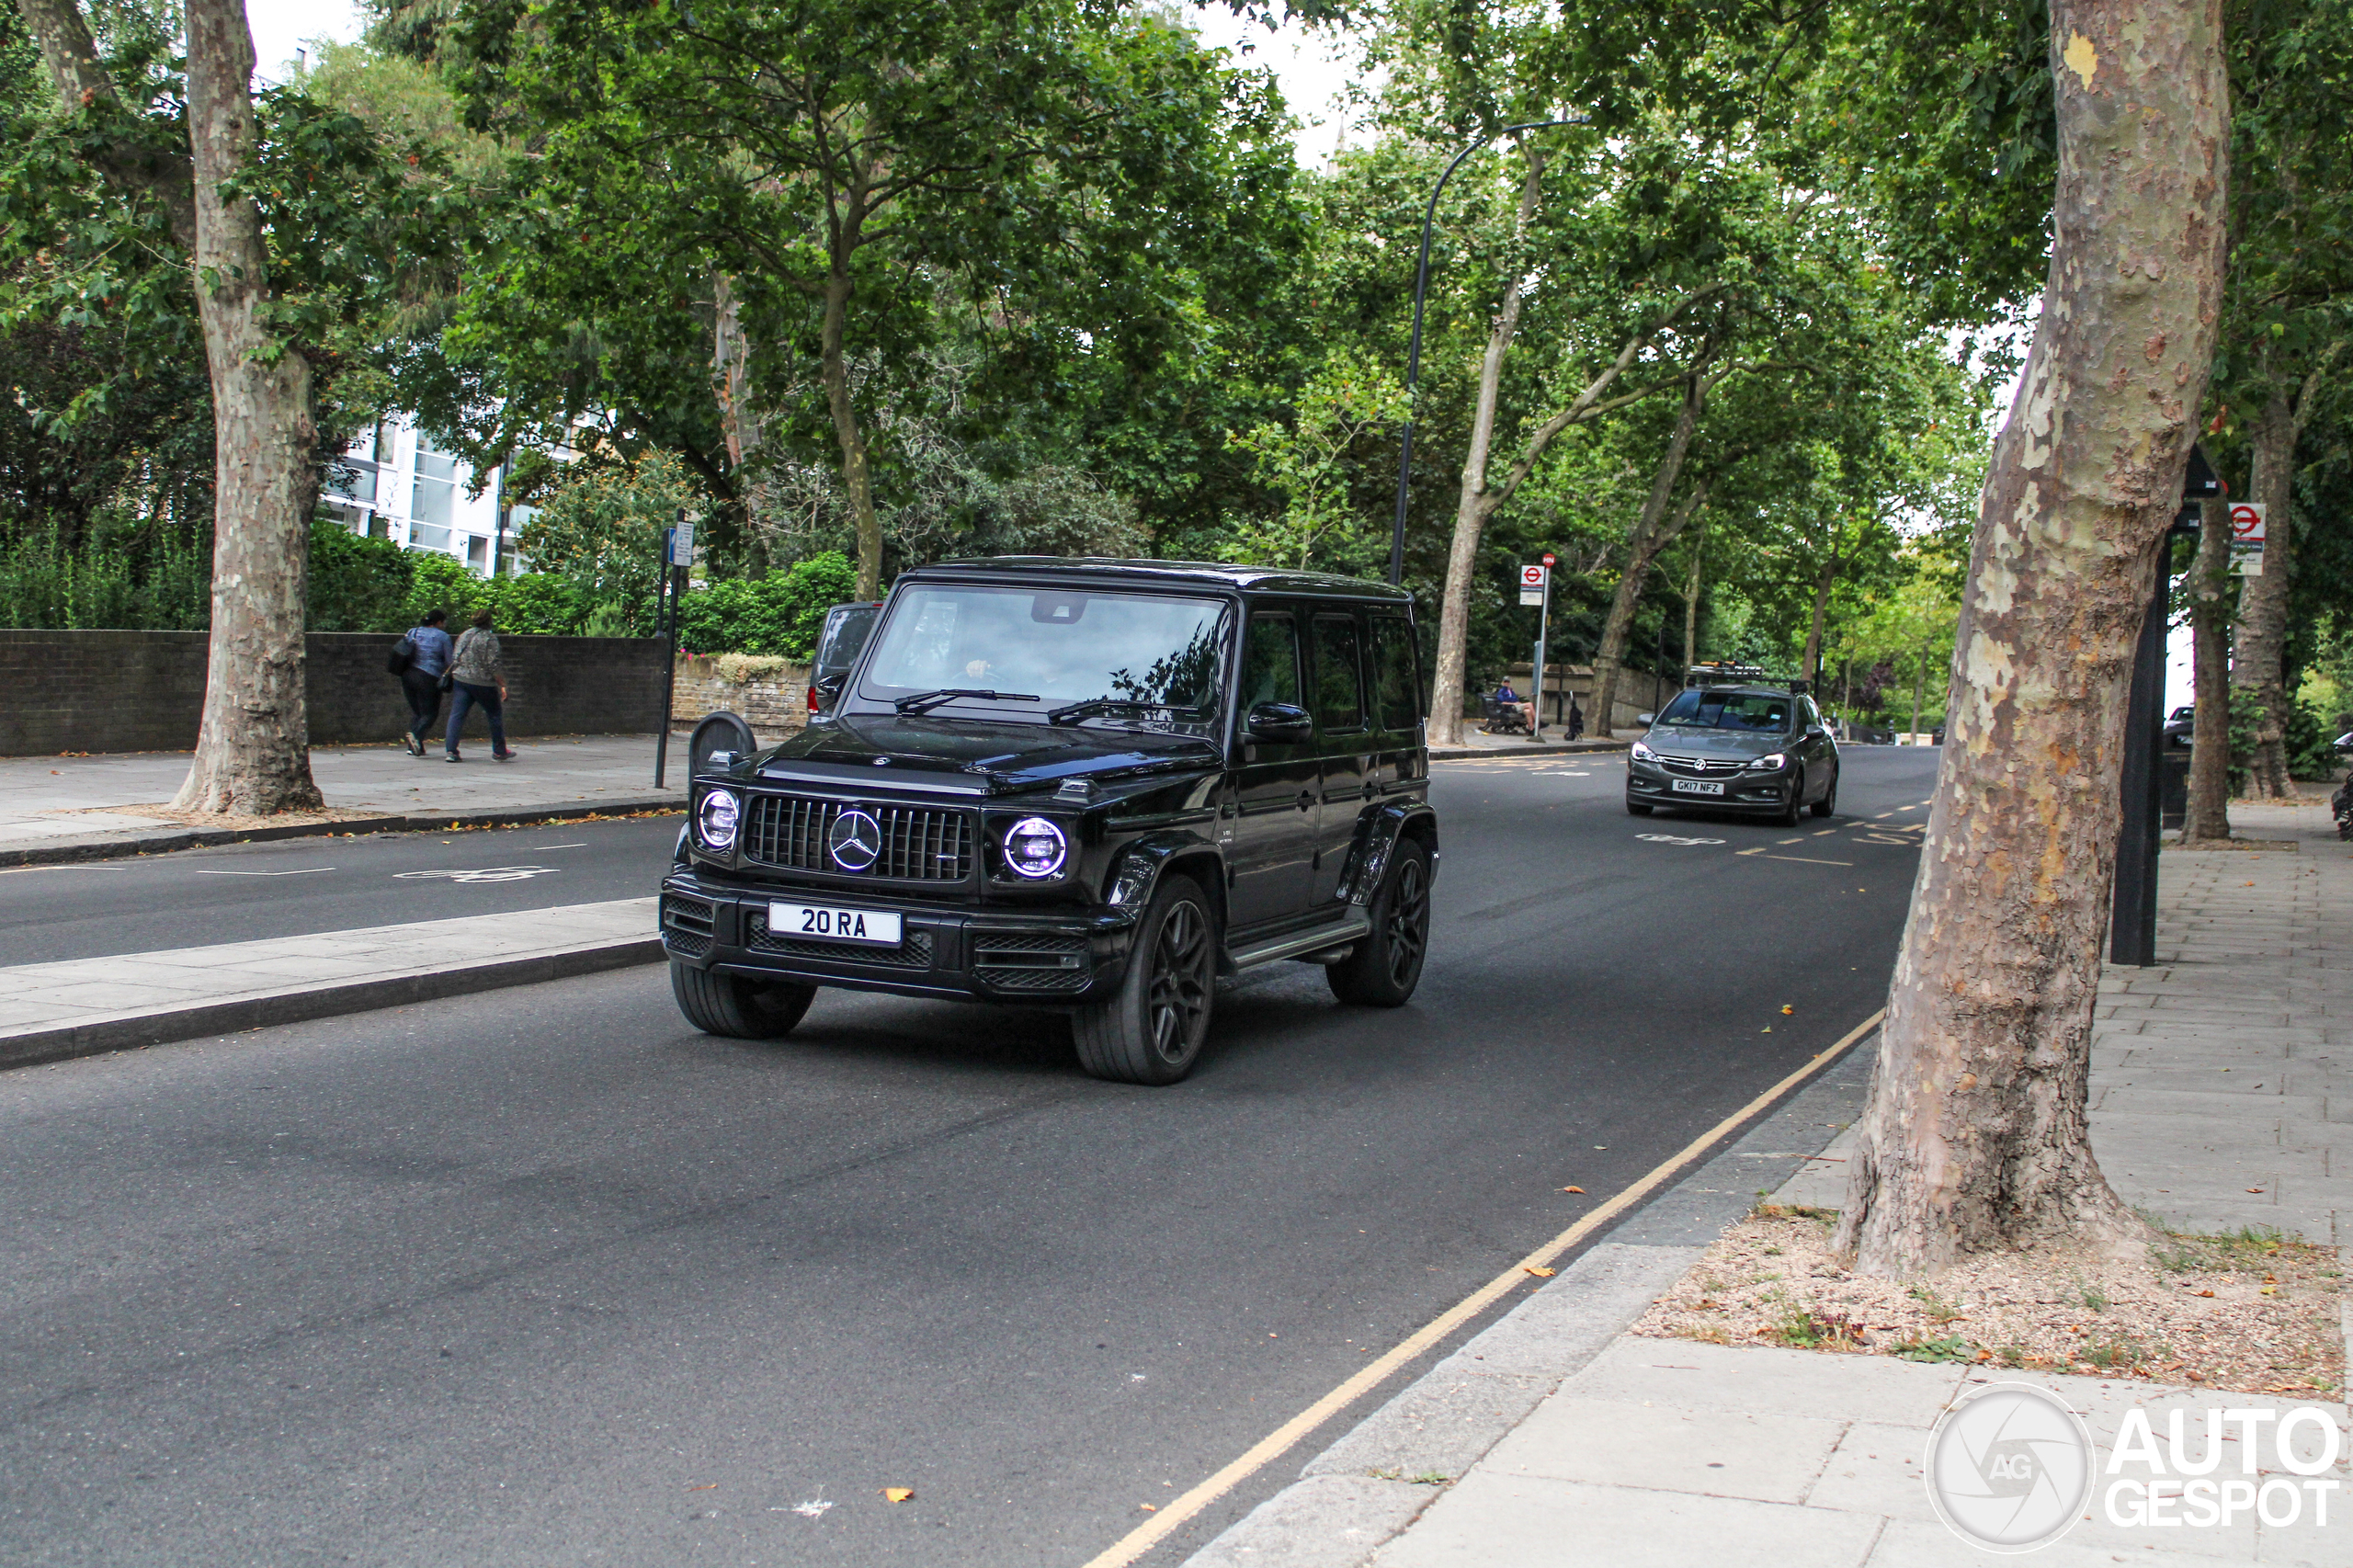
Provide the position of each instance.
(1306, 801)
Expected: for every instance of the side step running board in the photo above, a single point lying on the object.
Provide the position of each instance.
(1355, 928)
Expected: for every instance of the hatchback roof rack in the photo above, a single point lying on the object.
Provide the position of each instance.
(1723, 674)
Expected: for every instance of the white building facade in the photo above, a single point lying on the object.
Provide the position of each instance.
(393, 483)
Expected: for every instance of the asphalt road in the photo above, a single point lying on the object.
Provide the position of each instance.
(545, 1278)
(247, 891)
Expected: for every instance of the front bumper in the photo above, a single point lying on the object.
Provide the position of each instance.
(1649, 784)
(988, 955)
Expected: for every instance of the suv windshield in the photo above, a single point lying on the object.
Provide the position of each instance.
(1148, 658)
(1754, 712)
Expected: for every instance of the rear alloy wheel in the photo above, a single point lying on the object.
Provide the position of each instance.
(1152, 1031)
(738, 1008)
(1829, 802)
(1387, 964)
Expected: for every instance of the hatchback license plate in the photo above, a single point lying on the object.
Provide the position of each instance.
(1696, 786)
(831, 923)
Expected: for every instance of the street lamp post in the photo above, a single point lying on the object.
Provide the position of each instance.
(1414, 346)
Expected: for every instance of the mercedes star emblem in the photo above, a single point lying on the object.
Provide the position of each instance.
(854, 839)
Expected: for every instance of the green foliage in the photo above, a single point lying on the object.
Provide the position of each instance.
(358, 584)
(600, 530)
(781, 613)
(2246, 723)
(151, 579)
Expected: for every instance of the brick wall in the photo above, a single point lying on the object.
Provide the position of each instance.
(105, 691)
(775, 706)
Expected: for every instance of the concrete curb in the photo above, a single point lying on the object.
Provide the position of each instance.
(115, 845)
(299, 1004)
(1372, 1483)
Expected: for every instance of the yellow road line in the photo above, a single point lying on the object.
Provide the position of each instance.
(1273, 1445)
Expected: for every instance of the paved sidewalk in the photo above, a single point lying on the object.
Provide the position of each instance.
(1476, 744)
(49, 1011)
(72, 807)
(1553, 1438)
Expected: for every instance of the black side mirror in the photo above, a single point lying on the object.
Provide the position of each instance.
(1280, 721)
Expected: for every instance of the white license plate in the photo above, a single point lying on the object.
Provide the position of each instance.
(831, 923)
(1696, 786)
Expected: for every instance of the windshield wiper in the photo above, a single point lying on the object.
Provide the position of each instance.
(925, 702)
(1071, 712)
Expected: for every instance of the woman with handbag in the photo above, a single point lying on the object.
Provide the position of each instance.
(477, 678)
(421, 659)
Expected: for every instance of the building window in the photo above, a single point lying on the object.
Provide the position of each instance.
(437, 490)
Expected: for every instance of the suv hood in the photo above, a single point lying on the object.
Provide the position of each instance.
(1677, 740)
(979, 755)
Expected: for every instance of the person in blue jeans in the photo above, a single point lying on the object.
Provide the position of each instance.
(478, 679)
(430, 652)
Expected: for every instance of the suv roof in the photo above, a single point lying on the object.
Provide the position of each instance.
(1167, 573)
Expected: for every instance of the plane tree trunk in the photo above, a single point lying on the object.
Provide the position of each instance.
(1975, 1136)
(1653, 531)
(252, 741)
(2209, 815)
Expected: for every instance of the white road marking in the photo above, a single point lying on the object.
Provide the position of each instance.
(305, 872)
(483, 874)
(1672, 838)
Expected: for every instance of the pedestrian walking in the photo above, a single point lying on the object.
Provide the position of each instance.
(478, 679)
(421, 658)
(1576, 719)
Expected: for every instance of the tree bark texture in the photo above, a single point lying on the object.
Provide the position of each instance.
(2209, 814)
(1653, 531)
(740, 424)
(252, 743)
(1974, 1137)
(1473, 506)
(2258, 650)
(1691, 600)
(858, 481)
(1809, 664)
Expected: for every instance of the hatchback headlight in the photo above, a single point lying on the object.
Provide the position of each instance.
(1035, 849)
(716, 818)
(1642, 753)
(1777, 761)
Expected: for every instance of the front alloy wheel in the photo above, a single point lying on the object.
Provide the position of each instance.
(1153, 1030)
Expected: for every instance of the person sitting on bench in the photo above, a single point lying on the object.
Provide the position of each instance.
(1508, 701)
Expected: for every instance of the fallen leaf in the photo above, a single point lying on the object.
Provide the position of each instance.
(712, 1487)
(1148, 1508)
(899, 1493)
(1540, 1273)
(1572, 1189)
(2205, 1292)
(1786, 1011)
(2254, 1189)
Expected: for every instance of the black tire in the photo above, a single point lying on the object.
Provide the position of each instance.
(1387, 964)
(1794, 813)
(738, 1009)
(1829, 802)
(1152, 1031)
(1637, 808)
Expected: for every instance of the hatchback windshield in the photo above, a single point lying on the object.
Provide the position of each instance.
(1756, 711)
(1144, 658)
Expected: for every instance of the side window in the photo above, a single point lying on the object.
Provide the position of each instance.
(1339, 679)
(1270, 662)
(1396, 693)
(1808, 714)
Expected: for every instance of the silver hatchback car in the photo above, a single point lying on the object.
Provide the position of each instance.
(1754, 749)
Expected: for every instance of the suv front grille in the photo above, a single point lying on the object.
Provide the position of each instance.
(920, 844)
(1017, 961)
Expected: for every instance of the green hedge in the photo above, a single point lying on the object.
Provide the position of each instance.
(781, 613)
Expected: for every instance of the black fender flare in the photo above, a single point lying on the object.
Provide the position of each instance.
(1378, 837)
(1137, 869)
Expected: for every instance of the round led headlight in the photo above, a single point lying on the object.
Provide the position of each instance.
(715, 819)
(1035, 848)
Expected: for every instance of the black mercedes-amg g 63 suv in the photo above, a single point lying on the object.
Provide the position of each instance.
(1097, 785)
